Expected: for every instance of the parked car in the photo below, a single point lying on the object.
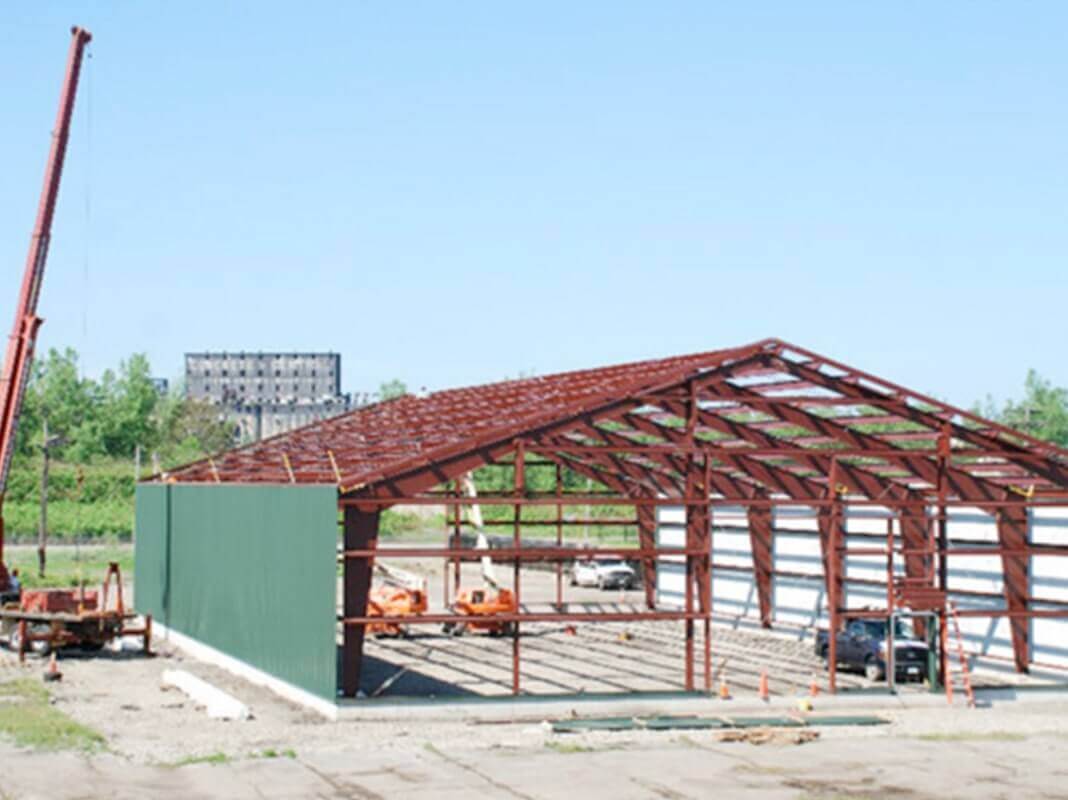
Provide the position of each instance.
(862, 647)
(604, 573)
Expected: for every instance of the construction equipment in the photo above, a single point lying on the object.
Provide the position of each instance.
(401, 594)
(24, 332)
(45, 620)
(961, 671)
(481, 606)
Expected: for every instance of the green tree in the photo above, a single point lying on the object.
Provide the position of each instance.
(191, 429)
(392, 389)
(69, 402)
(1043, 411)
(127, 417)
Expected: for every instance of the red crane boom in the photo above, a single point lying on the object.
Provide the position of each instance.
(24, 333)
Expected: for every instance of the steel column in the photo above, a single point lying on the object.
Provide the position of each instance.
(1012, 535)
(760, 541)
(360, 533)
(647, 541)
(829, 538)
(520, 486)
(559, 539)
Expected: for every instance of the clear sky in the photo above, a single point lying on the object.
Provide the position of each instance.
(457, 192)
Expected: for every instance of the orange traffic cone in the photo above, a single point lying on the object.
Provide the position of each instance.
(52, 673)
(724, 692)
(813, 687)
(765, 695)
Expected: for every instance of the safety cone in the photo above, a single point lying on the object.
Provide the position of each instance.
(765, 695)
(52, 673)
(813, 687)
(724, 692)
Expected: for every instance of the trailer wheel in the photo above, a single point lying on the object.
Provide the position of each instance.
(37, 646)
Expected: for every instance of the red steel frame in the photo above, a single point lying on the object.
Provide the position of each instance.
(763, 426)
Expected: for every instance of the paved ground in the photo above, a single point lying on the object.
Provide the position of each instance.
(923, 754)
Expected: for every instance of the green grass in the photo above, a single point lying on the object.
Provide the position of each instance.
(29, 720)
(270, 752)
(214, 759)
(567, 747)
(219, 757)
(66, 566)
(93, 500)
(973, 736)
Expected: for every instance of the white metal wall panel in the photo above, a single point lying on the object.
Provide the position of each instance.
(799, 597)
(1049, 579)
(670, 570)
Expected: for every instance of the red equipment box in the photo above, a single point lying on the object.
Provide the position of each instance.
(58, 601)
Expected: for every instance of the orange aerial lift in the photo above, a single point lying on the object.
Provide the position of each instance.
(400, 594)
(481, 606)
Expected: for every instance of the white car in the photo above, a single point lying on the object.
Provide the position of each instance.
(607, 573)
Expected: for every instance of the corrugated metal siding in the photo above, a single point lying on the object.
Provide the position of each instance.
(249, 570)
(150, 551)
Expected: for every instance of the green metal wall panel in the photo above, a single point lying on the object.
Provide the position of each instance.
(150, 549)
(251, 571)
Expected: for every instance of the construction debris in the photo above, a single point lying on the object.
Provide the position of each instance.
(741, 723)
(216, 702)
(769, 736)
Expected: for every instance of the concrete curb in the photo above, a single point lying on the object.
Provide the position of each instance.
(532, 709)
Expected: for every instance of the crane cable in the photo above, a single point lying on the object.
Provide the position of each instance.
(88, 191)
(80, 480)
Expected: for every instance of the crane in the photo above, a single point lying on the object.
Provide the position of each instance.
(24, 332)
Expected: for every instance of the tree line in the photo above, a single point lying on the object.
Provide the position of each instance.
(111, 417)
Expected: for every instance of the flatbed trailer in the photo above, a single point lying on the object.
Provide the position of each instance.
(58, 618)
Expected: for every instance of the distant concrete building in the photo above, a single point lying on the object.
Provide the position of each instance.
(268, 393)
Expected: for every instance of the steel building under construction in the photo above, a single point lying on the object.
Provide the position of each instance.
(903, 500)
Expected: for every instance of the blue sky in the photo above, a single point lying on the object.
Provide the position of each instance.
(452, 193)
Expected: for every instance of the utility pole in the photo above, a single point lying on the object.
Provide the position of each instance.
(42, 531)
(47, 443)
(137, 463)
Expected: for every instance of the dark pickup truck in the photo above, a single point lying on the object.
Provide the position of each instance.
(862, 647)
